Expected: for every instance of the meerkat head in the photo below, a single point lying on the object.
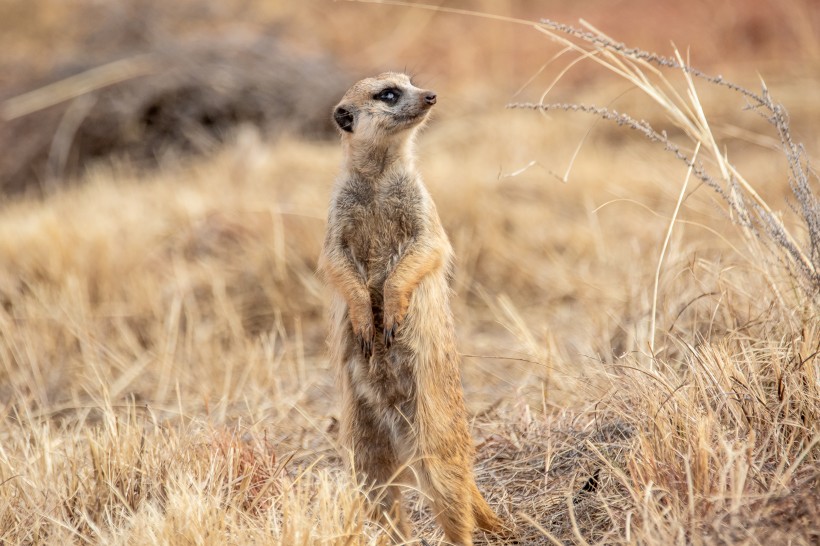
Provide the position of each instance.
(383, 108)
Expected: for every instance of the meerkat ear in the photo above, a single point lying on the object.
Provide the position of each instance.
(344, 118)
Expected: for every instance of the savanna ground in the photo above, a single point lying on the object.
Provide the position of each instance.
(639, 348)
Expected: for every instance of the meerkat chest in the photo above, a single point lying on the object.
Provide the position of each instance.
(384, 219)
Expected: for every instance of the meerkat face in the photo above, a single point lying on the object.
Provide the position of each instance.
(377, 108)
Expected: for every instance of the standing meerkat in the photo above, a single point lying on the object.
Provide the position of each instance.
(392, 338)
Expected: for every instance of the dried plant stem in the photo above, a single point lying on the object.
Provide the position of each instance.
(688, 115)
(77, 85)
(663, 251)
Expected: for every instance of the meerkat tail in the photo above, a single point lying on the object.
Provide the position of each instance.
(485, 518)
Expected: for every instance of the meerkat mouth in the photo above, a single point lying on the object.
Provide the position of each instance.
(409, 119)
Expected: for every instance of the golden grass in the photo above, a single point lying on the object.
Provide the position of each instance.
(163, 377)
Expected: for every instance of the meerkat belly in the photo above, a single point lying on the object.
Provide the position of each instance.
(388, 377)
(387, 385)
(383, 234)
(387, 380)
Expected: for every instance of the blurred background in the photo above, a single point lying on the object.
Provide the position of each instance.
(180, 77)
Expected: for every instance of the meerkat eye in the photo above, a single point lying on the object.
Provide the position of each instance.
(390, 95)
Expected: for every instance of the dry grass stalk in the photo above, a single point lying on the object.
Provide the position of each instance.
(642, 69)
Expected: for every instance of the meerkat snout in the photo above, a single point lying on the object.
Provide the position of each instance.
(430, 98)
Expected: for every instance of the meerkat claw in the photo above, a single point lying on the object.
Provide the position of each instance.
(366, 346)
(389, 334)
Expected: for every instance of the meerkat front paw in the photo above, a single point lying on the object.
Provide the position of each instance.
(389, 334)
(395, 309)
(364, 330)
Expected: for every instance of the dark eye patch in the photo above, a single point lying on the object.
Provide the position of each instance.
(390, 95)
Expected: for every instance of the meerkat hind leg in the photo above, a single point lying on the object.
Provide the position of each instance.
(375, 462)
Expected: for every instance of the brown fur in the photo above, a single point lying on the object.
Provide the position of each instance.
(389, 260)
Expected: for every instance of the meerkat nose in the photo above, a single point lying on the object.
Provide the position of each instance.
(430, 98)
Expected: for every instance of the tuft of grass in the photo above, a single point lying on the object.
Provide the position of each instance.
(645, 71)
(726, 448)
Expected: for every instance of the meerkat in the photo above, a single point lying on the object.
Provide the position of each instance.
(392, 337)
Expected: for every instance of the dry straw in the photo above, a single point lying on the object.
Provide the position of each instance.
(645, 71)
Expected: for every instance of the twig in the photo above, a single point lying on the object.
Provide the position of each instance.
(77, 85)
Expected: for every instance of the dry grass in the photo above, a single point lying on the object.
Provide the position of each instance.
(163, 377)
